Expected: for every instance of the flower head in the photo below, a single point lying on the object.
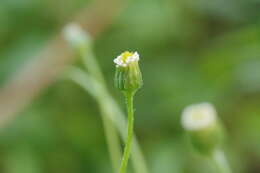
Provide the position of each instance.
(126, 58)
(203, 127)
(128, 77)
(75, 35)
(199, 116)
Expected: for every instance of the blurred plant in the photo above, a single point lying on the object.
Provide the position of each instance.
(206, 133)
(94, 83)
(81, 42)
(128, 79)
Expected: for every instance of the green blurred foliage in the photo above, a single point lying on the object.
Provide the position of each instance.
(191, 51)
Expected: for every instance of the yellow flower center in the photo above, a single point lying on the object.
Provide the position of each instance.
(125, 55)
(198, 116)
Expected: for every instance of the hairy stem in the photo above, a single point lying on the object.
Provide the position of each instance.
(130, 129)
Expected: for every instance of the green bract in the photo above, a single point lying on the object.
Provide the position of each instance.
(208, 139)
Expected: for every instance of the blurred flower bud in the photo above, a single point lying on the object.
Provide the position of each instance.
(202, 125)
(128, 77)
(76, 36)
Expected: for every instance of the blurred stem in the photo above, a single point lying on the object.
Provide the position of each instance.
(128, 145)
(220, 161)
(110, 132)
(89, 61)
(112, 141)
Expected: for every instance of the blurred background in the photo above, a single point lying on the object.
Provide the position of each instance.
(191, 51)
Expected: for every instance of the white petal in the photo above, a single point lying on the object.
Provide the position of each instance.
(119, 60)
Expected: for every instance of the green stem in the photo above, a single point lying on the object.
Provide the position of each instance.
(220, 161)
(130, 129)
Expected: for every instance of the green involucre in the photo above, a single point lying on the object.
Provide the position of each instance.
(207, 140)
(128, 78)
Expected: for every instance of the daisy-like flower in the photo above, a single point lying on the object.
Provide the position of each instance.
(128, 77)
(199, 116)
(203, 127)
(126, 58)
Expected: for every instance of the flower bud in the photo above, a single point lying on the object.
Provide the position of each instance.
(128, 77)
(202, 125)
(76, 36)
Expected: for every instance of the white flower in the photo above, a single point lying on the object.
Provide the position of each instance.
(74, 34)
(199, 116)
(126, 58)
